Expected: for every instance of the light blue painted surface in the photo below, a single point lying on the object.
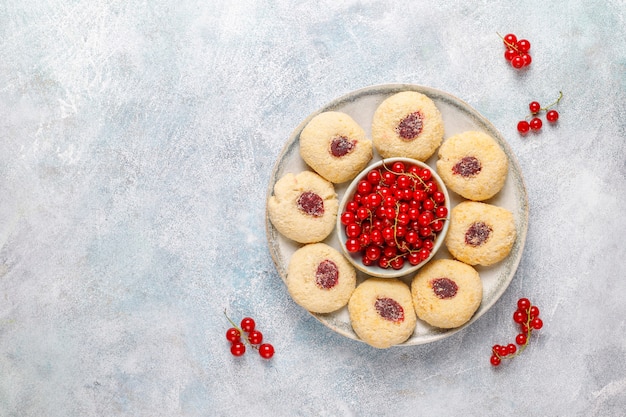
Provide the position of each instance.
(136, 144)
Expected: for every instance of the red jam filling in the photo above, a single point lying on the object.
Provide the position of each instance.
(389, 309)
(467, 167)
(411, 126)
(327, 274)
(311, 204)
(341, 146)
(444, 287)
(477, 234)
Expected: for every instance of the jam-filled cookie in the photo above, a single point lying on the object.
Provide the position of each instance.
(473, 165)
(381, 312)
(303, 207)
(407, 124)
(335, 146)
(480, 233)
(446, 293)
(320, 279)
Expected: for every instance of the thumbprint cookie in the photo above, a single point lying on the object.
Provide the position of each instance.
(480, 233)
(303, 207)
(335, 146)
(407, 124)
(473, 165)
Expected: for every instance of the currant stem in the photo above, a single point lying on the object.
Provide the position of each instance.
(530, 116)
(555, 103)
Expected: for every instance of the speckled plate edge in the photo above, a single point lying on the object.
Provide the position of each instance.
(455, 112)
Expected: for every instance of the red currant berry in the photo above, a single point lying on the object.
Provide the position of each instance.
(552, 116)
(266, 350)
(233, 335)
(523, 45)
(426, 174)
(441, 212)
(364, 187)
(511, 348)
(437, 226)
(238, 349)
(495, 360)
(534, 107)
(247, 324)
(397, 262)
(398, 167)
(374, 177)
(510, 39)
(353, 230)
(509, 54)
(373, 252)
(536, 323)
(521, 339)
(519, 317)
(347, 218)
(533, 312)
(517, 62)
(255, 337)
(353, 245)
(535, 123)
(523, 304)
(527, 59)
(523, 127)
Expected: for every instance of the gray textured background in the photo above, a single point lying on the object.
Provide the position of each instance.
(137, 139)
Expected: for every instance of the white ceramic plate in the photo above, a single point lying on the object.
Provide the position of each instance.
(458, 117)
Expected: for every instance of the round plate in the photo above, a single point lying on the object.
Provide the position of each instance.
(458, 117)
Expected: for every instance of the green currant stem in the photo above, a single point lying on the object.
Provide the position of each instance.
(555, 103)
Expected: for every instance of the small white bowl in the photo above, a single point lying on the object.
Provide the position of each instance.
(356, 258)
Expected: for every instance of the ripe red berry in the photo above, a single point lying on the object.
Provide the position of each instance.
(521, 339)
(523, 127)
(523, 45)
(533, 312)
(535, 123)
(536, 323)
(517, 62)
(510, 39)
(266, 350)
(552, 116)
(519, 317)
(238, 349)
(509, 54)
(247, 324)
(255, 337)
(511, 348)
(523, 304)
(495, 360)
(233, 335)
(534, 107)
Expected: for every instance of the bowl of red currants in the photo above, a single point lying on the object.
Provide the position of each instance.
(393, 217)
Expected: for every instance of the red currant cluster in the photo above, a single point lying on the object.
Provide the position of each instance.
(250, 335)
(516, 51)
(527, 316)
(394, 216)
(535, 122)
